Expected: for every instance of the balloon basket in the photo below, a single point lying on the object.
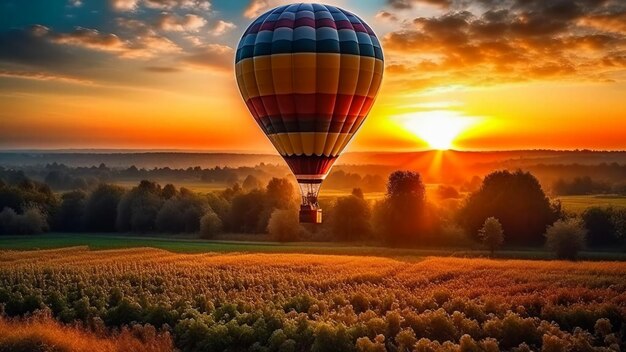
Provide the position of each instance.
(310, 216)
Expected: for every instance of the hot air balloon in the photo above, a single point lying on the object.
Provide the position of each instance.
(309, 74)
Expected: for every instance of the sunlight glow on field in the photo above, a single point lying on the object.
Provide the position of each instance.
(438, 128)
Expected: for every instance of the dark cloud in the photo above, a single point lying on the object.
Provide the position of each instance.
(213, 57)
(30, 46)
(505, 41)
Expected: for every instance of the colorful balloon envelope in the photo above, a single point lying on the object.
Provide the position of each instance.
(309, 74)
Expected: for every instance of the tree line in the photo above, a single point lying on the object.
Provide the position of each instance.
(404, 216)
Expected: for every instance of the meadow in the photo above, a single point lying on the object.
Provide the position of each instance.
(262, 244)
(308, 302)
(578, 204)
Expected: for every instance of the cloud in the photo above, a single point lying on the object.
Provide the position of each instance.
(171, 22)
(44, 76)
(38, 45)
(609, 22)
(212, 57)
(132, 5)
(409, 4)
(124, 5)
(91, 39)
(386, 16)
(143, 46)
(490, 42)
(31, 46)
(256, 8)
(220, 27)
(184, 4)
(162, 69)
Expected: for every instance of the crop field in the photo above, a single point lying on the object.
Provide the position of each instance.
(580, 203)
(307, 302)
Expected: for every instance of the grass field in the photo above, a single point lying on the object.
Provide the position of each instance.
(580, 203)
(196, 186)
(306, 302)
(188, 245)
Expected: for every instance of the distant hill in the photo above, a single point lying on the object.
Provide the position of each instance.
(448, 166)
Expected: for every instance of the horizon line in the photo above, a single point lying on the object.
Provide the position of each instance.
(269, 153)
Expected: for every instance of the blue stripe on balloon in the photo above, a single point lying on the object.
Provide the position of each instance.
(264, 37)
(364, 38)
(283, 33)
(326, 33)
(305, 14)
(347, 35)
(304, 32)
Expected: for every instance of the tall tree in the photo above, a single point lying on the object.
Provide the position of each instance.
(517, 200)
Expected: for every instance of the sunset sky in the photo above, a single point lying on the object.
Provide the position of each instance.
(158, 74)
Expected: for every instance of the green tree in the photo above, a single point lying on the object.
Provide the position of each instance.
(251, 182)
(280, 193)
(71, 214)
(517, 200)
(210, 225)
(182, 213)
(350, 218)
(402, 217)
(101, 208)
(566, 238)
(138, 209)
(603, 225)
(491, 234)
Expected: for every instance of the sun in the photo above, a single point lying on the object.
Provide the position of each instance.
(438, 128)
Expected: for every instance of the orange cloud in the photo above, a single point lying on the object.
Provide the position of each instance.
(214, 57)
(517, 42)
(91, 38)
(172, 22)
(44, 76)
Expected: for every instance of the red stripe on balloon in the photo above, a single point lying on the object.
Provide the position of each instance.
(310, 165)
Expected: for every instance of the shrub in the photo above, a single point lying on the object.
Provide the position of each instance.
(210, 225)
(451, 234)
(32, 221)
(566, 238)
(604, 225)
(284, 226)
(491, 234)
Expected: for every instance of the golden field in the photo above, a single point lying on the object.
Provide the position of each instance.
(300, 302)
